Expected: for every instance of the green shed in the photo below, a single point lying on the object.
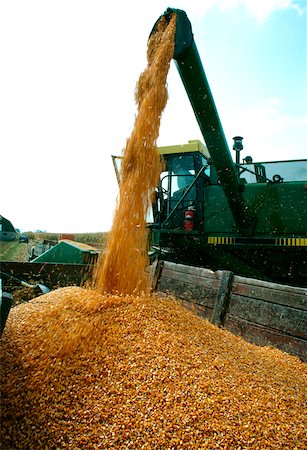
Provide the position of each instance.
(7, 230)
(69, 252)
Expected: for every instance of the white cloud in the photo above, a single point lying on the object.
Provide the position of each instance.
(259, 9)
(283, 132)
(262, 9)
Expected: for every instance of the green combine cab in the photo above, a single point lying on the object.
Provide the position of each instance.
(248, 217)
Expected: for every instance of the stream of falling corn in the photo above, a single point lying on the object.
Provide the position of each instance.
(122, 266)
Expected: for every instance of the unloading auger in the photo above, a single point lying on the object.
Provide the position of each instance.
(193, 76)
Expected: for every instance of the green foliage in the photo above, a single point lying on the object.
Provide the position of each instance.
(46, 236)
(91, 238)
(96, 239)
(13, 251)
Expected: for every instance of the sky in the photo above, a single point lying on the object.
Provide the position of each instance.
(68, 74)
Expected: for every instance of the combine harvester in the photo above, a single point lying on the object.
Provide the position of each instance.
(247, 217)
(230, 237)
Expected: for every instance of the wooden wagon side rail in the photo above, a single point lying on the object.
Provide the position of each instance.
(262, 312)
(51, 274)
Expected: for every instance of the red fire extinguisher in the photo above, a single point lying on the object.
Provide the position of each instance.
(189, 216)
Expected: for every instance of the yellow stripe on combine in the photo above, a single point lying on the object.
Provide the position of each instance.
(220, 240)
(292, 242)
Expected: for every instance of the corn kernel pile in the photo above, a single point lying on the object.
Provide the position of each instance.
(81, 370)
(122, 267)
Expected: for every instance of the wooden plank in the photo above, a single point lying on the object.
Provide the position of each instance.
(190, 278)
(275, 316)
(222, 297)
(200, 310)
(154, 271)
(269, 285)
(294, 299)
(188, 283)
(186, 291)
(263, 336)
(200, 271)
